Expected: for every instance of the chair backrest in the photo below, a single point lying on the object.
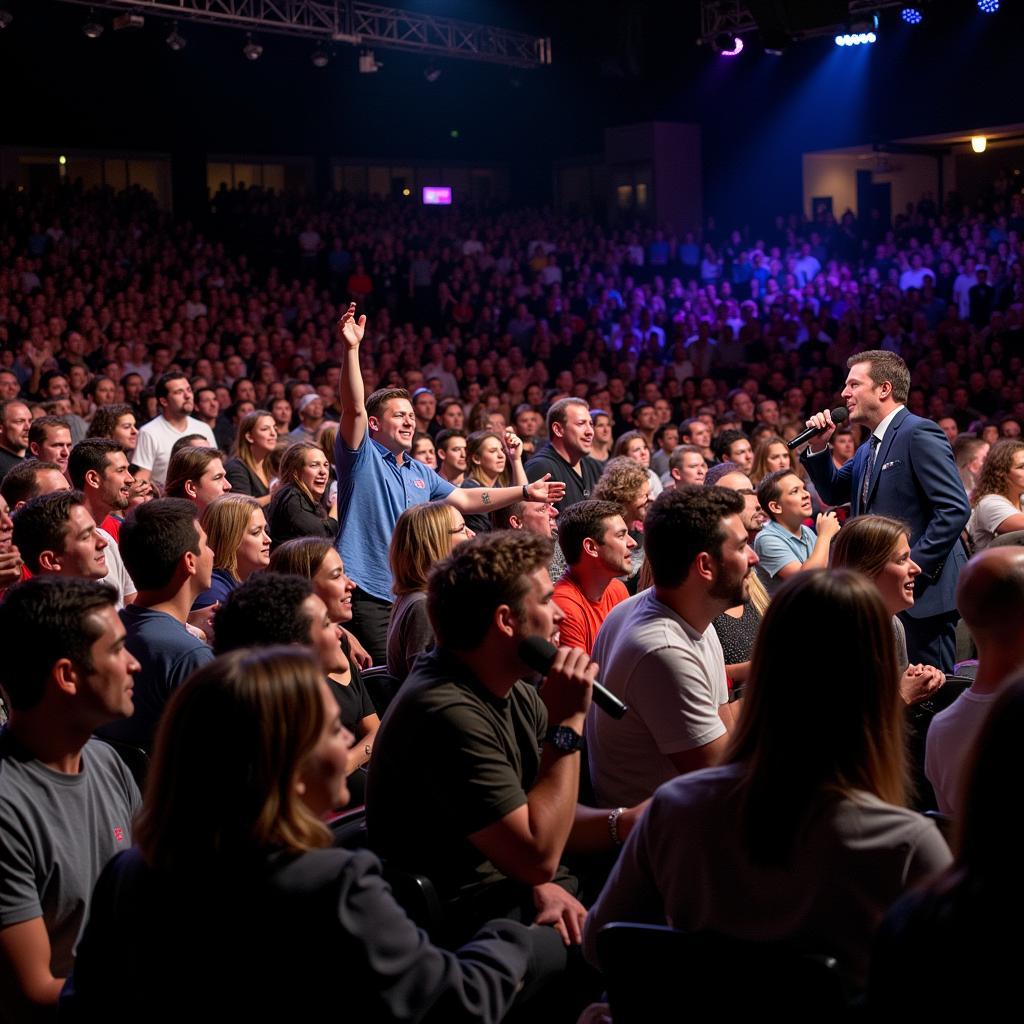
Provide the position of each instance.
(656, 973)
(136, 760)
(381, 686)
(1008, 539)
(348, 828)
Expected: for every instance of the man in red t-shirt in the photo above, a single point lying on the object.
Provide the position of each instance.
(596, 543)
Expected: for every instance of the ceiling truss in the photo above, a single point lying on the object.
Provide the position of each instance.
(351, 21)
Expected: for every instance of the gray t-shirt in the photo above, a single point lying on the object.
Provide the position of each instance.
(672, 678)
(58, 832)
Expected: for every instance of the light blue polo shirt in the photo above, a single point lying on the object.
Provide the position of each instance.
(373, 491)
(777, 547)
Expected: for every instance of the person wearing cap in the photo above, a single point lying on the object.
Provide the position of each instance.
(424, 405)
(310, 410)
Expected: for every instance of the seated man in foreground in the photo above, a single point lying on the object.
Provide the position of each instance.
(475, 775)
(66, 800)
(659, 652)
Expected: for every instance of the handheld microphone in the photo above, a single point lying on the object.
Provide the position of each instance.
(839, 417)
(539, 654)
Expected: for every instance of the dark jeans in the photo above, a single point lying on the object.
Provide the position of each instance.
(370, 616)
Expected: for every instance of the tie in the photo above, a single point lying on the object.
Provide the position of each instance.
(866, 483)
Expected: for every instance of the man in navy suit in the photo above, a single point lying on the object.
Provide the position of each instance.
(904, 470)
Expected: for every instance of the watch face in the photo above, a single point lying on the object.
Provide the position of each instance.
(565, 739)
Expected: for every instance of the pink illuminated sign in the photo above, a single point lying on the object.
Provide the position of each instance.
(437, 195)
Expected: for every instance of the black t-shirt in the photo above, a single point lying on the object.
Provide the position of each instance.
(450, 759)
(578, 486)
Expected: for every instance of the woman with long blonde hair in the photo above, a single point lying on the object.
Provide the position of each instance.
(424, 535)
(236, 530)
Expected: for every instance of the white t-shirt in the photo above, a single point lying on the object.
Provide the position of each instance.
(672, 678)
(992, 510)
(156, 439)
(950, 738)
(117, 574)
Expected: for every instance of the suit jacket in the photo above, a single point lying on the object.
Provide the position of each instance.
(914, 479)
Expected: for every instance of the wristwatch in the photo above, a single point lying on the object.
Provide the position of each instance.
(564, 739)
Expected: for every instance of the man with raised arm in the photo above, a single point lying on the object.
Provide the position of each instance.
(377, 482)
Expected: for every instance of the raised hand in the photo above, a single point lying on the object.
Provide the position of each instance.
(351, 330)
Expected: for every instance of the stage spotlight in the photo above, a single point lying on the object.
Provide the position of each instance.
(432, 73)
(988, 6)
(252, 51)
(727, 45)
(320, 57)
(856, 39)
(92, 29)
(176, 41)
(912, 15)
(979, 143)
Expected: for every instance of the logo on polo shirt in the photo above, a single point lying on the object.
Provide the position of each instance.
(118, 834)
(420, 484)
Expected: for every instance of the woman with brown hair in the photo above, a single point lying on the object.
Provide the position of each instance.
(249, 471)
(424, 535)
(233, 903)
(771, 453)
(299, 506)
(879, 548)
(198, 474)
(996, 499)
(315, 559)
(633, 445)
(492, 460)
(802, 833)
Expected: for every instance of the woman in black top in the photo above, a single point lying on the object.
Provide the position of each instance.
(298, 508)
(316, 560)
(249, 471)
(233, 903)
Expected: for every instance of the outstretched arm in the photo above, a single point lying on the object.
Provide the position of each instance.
(352, 396)
(486, 499)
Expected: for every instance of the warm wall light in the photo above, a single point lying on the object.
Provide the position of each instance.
(979, 143)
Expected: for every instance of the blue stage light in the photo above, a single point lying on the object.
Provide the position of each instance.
(912, 15)
(988, 6)
(856, 39)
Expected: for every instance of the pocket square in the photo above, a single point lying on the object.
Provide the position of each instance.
(889, 465)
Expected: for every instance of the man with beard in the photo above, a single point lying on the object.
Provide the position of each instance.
(659, 652)
(175, 420)
(98, 467)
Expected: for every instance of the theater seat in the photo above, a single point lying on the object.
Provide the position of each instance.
(381, 686)
(136, 760)
(348, 828)
(656, 973)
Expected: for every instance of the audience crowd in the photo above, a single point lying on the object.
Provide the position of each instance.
(271, 473)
